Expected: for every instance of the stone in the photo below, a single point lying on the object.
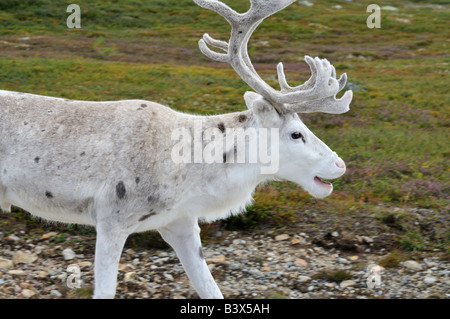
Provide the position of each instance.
(303, 278)
(347, 283)
(335, 234)
(13, 237)
(130, 276)
(429, 280)
(306, 3)
(169, 277)
(412, 265)
(17, 272)
(389, 8)
(282, 237)
(68, 254)
(301, 262)
(24, 258)
(216, 259)
(295, 241)
(55, 293)
(27, 293)
(48, 235)
(354, 258)
(5, 263)
(84, 264)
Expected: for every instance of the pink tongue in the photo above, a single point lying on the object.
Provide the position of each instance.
(321, 181)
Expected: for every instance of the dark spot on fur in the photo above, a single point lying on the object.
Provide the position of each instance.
(201, 253)
(153, 113)
(5, 171)
(143, 105)
(25, 123)
(83, 153)
(242, 118)
(146, 216)
(221, 127)
(137, 180)
(120, 190)
(224, 157)
(240, 32)
(117, 212)
(139, 109)
(150, 198)
(36, 159)
(49, 194)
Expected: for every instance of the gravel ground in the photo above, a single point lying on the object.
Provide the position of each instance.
(245, 265)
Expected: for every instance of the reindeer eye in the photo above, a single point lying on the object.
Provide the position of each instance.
(297, 135)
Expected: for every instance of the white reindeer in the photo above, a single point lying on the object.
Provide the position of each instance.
(110, 165)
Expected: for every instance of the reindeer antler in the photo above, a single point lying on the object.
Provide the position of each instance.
(318, 94)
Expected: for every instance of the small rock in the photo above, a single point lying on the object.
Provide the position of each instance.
(130, 276)
(301, 262)
(216, 259)
(126, 267)
(27, 293)
(84, 264)
(412, 265)
(265, 268)
(5, 263)
(17, 272)
(303, 278)
(55, 293)
(169, 277)
(68, 254)
(306, 3)
(295, 241)
(335, 234)
(429, 280)
(48, 235)
(282, 237)
(389, 8)
(347, 283)
(13, 237)
(366, 239)
(354, 258)
(341, 260)
(24, 258)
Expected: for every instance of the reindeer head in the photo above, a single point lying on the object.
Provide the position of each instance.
(303, 158)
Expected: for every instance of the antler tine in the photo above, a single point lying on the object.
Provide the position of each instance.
(321, 87)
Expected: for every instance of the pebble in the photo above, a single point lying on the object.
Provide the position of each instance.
(304, 278)
(282, 237)
(429, 280)
(5, 263)
(68, 254)
(27, 293)
(24, 258)
(412, 265)
(48, 235)
(55, 293)
(347, 283)
(245, 265)
(13, 237)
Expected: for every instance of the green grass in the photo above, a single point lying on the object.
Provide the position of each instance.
(395, 139)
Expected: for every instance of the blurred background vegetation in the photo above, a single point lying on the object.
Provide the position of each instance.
(394, 140)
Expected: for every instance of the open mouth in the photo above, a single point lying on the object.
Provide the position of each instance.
(321, 182)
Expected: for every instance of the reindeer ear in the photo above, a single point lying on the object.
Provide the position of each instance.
(250, 98)
(266, 113)
(257, 103)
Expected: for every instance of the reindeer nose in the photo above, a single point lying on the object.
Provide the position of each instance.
(340, 163)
